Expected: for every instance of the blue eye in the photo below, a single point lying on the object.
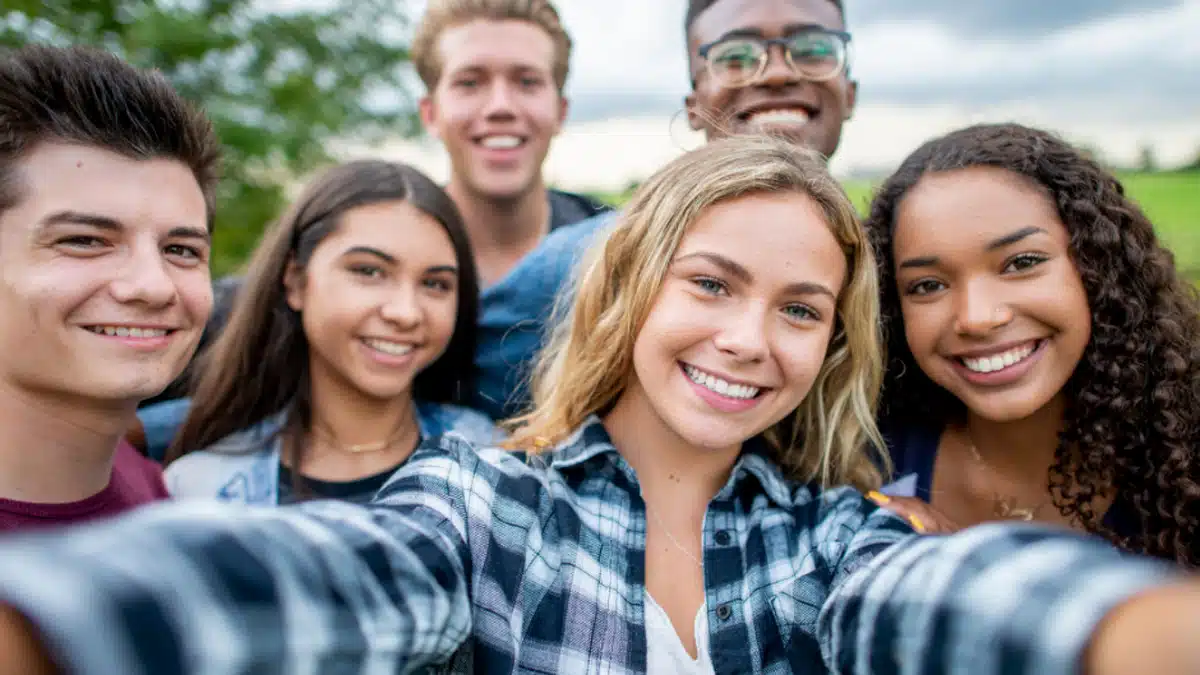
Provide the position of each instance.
(710, 285)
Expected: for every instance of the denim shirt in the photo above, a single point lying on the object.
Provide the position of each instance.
(475, 562)
(514, 314)
(243, 467)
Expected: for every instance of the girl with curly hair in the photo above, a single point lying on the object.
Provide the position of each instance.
(1043, 352)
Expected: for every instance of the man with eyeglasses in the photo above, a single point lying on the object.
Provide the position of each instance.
(757, 66)
(778, 66)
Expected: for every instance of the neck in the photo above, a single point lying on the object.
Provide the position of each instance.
(1019, 447)
(57, 450)
(346, 417)
(502, 231)
(670, 470)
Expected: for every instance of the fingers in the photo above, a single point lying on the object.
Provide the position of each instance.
(886, 502)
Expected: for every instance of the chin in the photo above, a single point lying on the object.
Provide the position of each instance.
(1003, 409)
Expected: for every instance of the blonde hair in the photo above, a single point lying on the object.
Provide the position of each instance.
(589, 358)
(442, 15)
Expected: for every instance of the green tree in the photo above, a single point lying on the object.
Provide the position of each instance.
(1147, 159)
(281, 87)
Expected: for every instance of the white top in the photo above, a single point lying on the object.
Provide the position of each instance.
(665, 654)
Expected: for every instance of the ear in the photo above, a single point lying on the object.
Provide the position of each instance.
(564, 107)
(428, 113)
(695, 120)
(293, 286)
(851, 98)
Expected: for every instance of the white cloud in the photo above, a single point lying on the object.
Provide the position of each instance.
(1112, 83)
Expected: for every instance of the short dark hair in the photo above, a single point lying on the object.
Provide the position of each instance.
(91, 97)
(697, 7)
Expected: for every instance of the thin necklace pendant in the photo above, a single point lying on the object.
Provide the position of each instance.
(670, 536)
(1002, 506)
(364, 448)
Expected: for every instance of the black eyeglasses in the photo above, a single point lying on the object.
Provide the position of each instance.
(815, 54)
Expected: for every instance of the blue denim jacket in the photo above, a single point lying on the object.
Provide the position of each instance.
(514, 312)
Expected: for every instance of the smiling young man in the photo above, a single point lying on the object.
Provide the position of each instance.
(756, 66)
(106, 184)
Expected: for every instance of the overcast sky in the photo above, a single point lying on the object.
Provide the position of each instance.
(1111, 73)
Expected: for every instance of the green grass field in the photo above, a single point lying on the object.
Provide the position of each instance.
(1170, 199)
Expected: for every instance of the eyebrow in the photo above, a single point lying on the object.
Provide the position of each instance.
(790, 29)
(371, 251)
(743, 275)
(392, 260)
(998, 243)
(112, 224)
(1010, 239)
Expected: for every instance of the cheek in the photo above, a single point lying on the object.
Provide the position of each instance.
(441, 314)
(801, 357)
(921, 329)
(195, 292)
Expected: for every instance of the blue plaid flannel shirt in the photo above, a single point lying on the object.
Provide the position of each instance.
(475, 562)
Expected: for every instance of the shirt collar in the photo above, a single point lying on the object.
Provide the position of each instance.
(591, 441)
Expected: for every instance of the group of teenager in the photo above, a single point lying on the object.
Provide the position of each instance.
(493, 427)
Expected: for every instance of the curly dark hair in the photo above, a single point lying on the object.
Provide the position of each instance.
(1133, 404)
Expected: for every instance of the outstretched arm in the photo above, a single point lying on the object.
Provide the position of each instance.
(199, 587)
(998, 600)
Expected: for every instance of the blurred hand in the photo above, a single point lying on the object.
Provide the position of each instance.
(21, 653)
(923, 517)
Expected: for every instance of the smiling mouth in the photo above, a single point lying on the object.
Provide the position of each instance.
(740, 392)
(129, 331)
(993, 363)
(501, 142)
(390, 347)
(782, 115)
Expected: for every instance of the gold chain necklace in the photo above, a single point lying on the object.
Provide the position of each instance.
(670, 536)
(363, 448)
(1003, 506)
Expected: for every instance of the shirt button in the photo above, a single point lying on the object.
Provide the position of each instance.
(724, 612)
(723, 538)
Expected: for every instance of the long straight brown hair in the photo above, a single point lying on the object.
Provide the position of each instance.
(259, 364)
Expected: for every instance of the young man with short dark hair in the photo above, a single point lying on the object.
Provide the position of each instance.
(106, 194)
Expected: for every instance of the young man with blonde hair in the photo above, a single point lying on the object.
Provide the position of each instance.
(495, 72)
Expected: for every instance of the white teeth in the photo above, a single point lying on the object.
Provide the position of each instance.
(127, 331)
(990, 364)
(784, 116)
(388, 347)
(721, 386)
(501, 142)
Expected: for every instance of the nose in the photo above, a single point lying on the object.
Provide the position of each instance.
(499, 101)
(144, 279)
(402, 307)
(744, 336)
(779, 71)
(980, 311)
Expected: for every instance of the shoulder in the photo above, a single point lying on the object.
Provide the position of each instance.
(453, 472)
(477, 428)
(571, 207)
(913, 451)
(232, 469)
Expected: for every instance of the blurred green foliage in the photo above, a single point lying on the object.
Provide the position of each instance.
(279, 86)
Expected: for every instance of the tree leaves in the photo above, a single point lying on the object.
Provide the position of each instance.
(279, 87)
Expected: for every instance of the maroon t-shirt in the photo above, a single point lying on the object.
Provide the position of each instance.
(135, 481)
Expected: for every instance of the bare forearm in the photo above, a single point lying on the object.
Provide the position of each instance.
(1156, 632)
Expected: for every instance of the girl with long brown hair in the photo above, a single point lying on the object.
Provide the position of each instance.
(351, 339)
